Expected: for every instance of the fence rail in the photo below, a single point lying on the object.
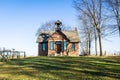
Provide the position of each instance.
(8, 54)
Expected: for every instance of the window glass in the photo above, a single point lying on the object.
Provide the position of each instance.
(51, 45)
(43, 46)
(73, 46)
(65, 45)
(58, 42)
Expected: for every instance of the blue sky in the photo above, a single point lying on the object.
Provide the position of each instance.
(20, 19)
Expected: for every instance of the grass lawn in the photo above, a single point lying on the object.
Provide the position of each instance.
(61, 68)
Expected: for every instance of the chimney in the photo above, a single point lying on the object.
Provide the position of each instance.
(75, 28)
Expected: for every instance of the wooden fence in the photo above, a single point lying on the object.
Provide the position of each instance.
(12, 54)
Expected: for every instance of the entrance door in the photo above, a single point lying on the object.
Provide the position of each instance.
(59, 47)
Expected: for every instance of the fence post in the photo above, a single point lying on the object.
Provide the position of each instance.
(24, 55)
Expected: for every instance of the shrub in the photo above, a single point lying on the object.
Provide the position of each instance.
(4, 58)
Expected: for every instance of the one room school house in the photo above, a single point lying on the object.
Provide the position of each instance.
(58, 42)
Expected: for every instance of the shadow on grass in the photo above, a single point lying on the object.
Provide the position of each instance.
(66, 68)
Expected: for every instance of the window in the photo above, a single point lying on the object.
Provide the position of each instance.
(65, 45)
(43, 46)
(73, 46)
(58, 42)
(52, 45)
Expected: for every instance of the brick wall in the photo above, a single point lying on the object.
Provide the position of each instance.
(40, 52)
(59, 37)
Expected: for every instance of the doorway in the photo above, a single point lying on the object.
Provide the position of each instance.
(59, 46)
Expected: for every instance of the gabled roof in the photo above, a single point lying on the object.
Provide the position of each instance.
(71, 35)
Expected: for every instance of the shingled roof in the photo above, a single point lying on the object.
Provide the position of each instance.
(71, 35)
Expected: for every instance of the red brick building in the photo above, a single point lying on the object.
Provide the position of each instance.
(54, 43)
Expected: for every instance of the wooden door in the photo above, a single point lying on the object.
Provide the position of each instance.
(59, 48)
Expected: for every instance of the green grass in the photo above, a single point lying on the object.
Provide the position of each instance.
(61, 68)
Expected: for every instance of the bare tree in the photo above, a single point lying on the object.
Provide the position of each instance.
(114, 5)
(92, 9)
(86, 31)
(88, 35)
(50, 26)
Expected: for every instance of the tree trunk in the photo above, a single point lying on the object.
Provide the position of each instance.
(119, 31)
(96, 46)
(89, 44)
(118, 22)
(117, 14)
(87, 48)
(95, 42)
(100, 41)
